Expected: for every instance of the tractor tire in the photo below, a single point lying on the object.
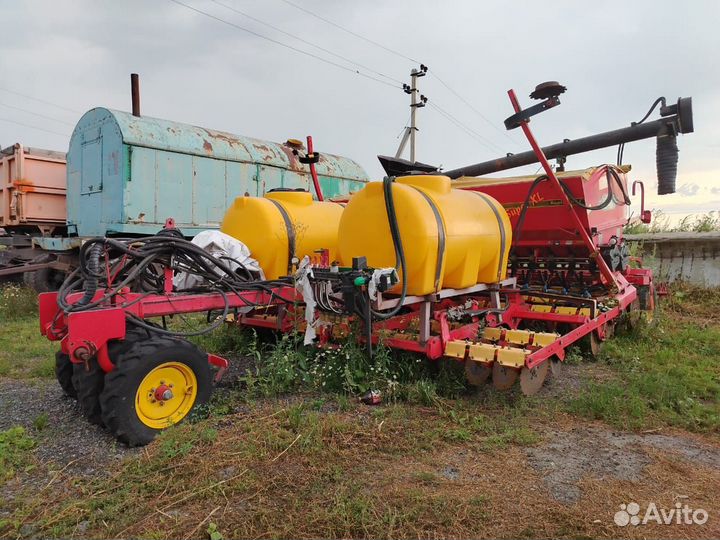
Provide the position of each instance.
(45, 280)
(156, 383)
(88, 384)
(64, 374)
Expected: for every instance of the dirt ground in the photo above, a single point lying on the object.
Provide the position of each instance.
(580, 472)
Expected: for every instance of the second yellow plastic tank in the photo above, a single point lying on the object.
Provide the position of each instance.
(283, 224)
(451, 238)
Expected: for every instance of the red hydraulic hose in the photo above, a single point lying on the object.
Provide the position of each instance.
(313, 172)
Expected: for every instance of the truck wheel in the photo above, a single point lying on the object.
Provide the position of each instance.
(64, 373)
(88, 384)
(45, 280)
(155, 384)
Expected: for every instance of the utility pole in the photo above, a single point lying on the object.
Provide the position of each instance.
(415, 104)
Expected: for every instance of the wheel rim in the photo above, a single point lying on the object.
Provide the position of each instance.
(166, 395)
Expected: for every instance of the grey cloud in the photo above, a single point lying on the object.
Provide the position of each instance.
(615, 57)
(688, 190)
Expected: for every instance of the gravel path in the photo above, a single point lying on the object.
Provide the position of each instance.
(68, 440)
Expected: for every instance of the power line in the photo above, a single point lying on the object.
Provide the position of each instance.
(401, 55)
(328, 51)
(40, 100)
(464, 126)
(37, 114)
(33, 127)
(388, 49)
(262, 36)
(466, 102)
(474, 134)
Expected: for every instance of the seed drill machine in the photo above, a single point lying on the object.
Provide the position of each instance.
(501, 274)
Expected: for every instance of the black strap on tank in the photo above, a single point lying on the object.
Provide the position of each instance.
(503, 240)
(441, 236)
(290, 233)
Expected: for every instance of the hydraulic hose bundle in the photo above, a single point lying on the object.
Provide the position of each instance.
(610, 173)
(114, 266)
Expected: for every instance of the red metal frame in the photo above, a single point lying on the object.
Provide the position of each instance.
(605, 271)
(84, 334)
(425, 328)
(313, 171)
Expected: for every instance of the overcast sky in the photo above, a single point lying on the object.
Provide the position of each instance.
(615, 57)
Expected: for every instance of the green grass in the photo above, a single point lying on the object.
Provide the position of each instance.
(15, 451)
(668, 373)
(24, 352)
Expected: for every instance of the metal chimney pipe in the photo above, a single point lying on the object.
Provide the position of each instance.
(135, 92)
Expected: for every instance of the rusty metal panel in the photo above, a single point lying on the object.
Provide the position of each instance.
(134, 172)
(186, 139)
(32, 188)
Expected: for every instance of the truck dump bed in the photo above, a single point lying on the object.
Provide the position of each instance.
(32, 190)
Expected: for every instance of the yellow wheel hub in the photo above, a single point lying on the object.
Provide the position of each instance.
(166, 395)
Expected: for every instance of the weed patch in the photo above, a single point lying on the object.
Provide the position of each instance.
(15, 451)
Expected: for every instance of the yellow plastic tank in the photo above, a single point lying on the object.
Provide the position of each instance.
(282, 225)
(451, 238)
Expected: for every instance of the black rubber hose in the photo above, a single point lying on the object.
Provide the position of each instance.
(621, 147)
(91, 281)
(609, 172)
(397, 244)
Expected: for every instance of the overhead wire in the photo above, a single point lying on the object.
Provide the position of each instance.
(39, 115)
(470, 106)
(347, 30)
(282, 44)
(34, 127)
(406, 57)
(474, 134)
(39, 100)
(303, 40)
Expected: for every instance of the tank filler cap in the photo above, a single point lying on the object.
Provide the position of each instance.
(548, 90)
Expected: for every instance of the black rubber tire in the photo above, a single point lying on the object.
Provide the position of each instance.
(132, 364)
(45, 280)
(64, 374)
(88, 384)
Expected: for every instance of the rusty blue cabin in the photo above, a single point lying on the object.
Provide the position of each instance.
(127, 174)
